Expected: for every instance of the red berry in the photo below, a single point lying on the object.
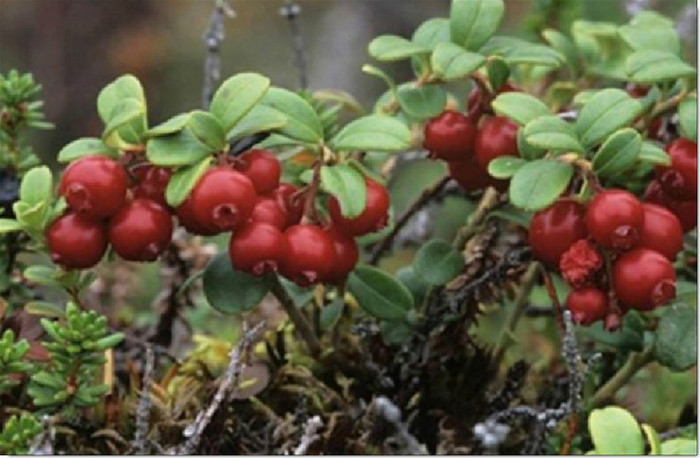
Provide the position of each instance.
(294, 205)
(151, 182)
(685, 211)
(615, 219)
(346, 256)
(554, 229)
(76, 242)
(450, 136)
(94, 186)
(661, 232)
(637, 91)
(580, 263)
(680, 180)
(141, 230)
(257, 248)
(268, 210)
(223, 199)
(263, 169)
(498, 136)
(644, 279)
(587, 305)
(472, 177)
(309, 256)
(188, 220)
(372, 218)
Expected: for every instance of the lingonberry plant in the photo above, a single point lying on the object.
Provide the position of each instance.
(576, 157)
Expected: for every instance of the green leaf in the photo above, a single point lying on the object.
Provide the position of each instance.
(303, 123)
(260, 119)
(473, 22)
(552, 133)
(124, 87)
(36, 186)
(517, 51)
(676, 337)
(505, 166)
(437, 262)
(230, 291)
(182, 148)
(208, 130)
(680, 447)
(373, 133)
(43, 275)
(537, 184)
(614, 431)
(432, 32)
(688, 117)
(126, 125)
(605, 112)
(653, 154)
(395, 332)
(381, 74)
(565, 47)
(526, 150)
(652, 438)
(422, 102)
(651, 36)
(31, 216)
(43, 308)
(652, 66)
(630, 337)
(415, 284)
(171, 126)
(519, 106)
(84, 147)
(237, 96)
(379, 294)
(391, 47)
(347, 185)
(182, 182)
(497, 70)
(618, 153)
(9, 225)
(331, 313)
(451, 62)
(299, 295)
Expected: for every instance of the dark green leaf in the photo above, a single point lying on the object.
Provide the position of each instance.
(347, 185)
(303, 123)
(262, 118)
(497, 70)
(395, 332)
(676, 337)
(331, 313)
(651, 66)
(451, 62)
(208, 130)
(183, 181)
(84, 147)
(379, 294)
(614, 431)
(230, 291)
(422, 102)
(603, 114)
(237, 96)
(299, 295)
(182, 148)
(552, 133)
(437, 262)
(618, 153)
(171, 126)
(432, 32)
(373, 133)
(415, 284)
(539, 183)
(392, 47)
(505, 166)
(473, 22)
(519, 106)
(688, 117)
(36, 186)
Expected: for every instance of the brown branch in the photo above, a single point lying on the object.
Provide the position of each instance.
(556, 304)
(300, 322)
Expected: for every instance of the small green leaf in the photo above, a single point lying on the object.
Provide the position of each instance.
(331, 313)
(526, 150)
(43, 308)
(391, 47)
(497, 70)
(373, 133)
(124, 87)
(676, 337)
(563, 44)
(171, 126)
(519, 106)
(652, 438)
(614, 431)
(432, 32)
(517, 51)
(126, 125)
(182, 182)
(437, 262)
(415, 284)
(451, 62)
(84, 147)
(230, 291)
(505, 166)
(303, 123)
(688, 117)
(653, 154)
(43, 275)
(347, 185)
(182, 148)
(618, 153)
(260, 119)
(36, 186)
(395, 332)
(651, 36)
(552, 133)
(652, 66)
(422, 102)
(680, 446)
(237, 96)
(537, 184)
(208, 130)
(605, 112)
(473, 22)
(9, 225)
(379, 294)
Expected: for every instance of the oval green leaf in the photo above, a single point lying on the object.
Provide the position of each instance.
(208, 130)
(373, 133)
(171, 126)
(505, 166)
(451, 62)
(552, 133)
(36, 186)
(183, 181)
(391, 47)
(9, 225)
(539, 183)
(260, 119)
(422, 102)
(237, 96)
(653, 154)
(303, 123)
(605, 112)
(519, 106)
(614, 431)
(379, 294)
(618, 153)
(347, 185)
(688, 118)
(676, 337)
(127, 123)
(176, 150)
(432, 32)
(473, 22)
(652, 66)
(125, 87)
(437, 262)
(84, 147)
(230, 291)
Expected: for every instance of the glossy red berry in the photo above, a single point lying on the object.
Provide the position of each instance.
(94, 186)
(309, 255)
(472, 177)
(151, 182)
(373, 217)
(188, 220)
(141, 230)
(685, 211)
(268, 210)
(293, 204)
(644, 279)
(263, 169)
(615, 219)
(554, 229)
(587, 305)
(498, 136)
(662, 231)
(346, 256)
(76, 242)
(222, 199)
(257, 248)
(680, 180)
(450, 136)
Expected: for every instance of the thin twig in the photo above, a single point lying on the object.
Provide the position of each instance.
(291, 11)
(635, 362)
(300, 322)
(138, 445)
(213, 37)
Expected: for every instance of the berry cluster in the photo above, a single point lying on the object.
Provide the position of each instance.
(640, 240)
(469, 142)
(126, 208)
